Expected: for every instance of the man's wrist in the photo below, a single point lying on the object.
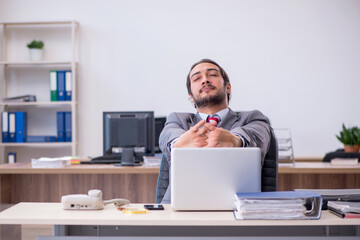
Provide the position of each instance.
(237, 142)
(172, 144)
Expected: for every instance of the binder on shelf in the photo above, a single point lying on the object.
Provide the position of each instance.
(5, 126)
(12, 131)
(20, 126)
(68, 85)
(11, 157)
(61, 85)
(60, 120)
(37, 139)
(68, 132)
(22, 98)
(53, 86)
(278, 205)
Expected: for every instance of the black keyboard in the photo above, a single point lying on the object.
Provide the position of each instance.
(107, 159)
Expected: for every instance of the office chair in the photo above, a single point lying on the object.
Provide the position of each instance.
(269, 171)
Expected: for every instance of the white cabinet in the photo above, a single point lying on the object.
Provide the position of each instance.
(20, 76)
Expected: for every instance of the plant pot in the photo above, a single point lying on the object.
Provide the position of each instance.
(352, 148)
(36, 54)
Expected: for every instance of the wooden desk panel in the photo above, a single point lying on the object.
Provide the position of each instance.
(21, 183)
(317, 175)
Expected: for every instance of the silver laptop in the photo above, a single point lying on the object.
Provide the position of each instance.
(208, 178)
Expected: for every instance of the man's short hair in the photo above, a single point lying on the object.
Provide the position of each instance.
(222, 72)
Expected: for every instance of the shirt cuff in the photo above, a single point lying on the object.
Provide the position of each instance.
(242, 139)
(172, 143)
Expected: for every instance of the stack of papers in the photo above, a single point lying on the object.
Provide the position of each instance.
(344, 161)
(345, 209)
(50, 162)
(152, 161)
(277, 205)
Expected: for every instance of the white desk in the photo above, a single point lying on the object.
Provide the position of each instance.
(166, 222)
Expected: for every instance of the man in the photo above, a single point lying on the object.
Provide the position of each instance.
(209, 90)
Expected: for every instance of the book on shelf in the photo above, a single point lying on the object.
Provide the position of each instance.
(21, 98)
(53, 85)
(60, 122)
(64, 127)
(68, 85)
(11, 157)
(12, 130)
(60, 85)
(345, 209)
(4, 126)
(67, 126)
(39, 139)
(277, 205)
(13, 126)
(20, 126)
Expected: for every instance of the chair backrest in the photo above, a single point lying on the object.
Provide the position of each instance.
(269, 172)
(163, 180)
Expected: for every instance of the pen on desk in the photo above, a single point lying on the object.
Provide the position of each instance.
(337, 213)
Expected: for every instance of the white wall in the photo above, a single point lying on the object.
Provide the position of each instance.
(296, 61)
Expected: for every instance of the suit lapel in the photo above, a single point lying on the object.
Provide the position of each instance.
(229, 120)
(195, 119)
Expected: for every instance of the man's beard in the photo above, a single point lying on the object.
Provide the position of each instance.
(210, 101)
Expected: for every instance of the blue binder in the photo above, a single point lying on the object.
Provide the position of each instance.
(41, 139)
(5, 126)
(68, 127)
(61, 85)
(60, 120)
(12, 129)
(68, 85)
(11, 157)
(20, 126)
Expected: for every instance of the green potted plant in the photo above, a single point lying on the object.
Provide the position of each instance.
(36, 50)
(350, 137)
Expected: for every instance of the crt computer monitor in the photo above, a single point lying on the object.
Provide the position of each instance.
(129, 130)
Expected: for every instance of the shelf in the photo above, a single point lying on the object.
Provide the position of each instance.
(66, 22)
(42, 144)
(45, 103)
(35, 63)
(63, 37)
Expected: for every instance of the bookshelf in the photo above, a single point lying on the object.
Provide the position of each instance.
(20, 76)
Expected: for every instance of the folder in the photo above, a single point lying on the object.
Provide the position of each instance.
(20, 126)
(11, 157)
(53, 86)
(12, 131)
(278, 205)
(68, 127)
(40, 139)
(60, 120)
(68, 85)
(61, 85)
(5, 126)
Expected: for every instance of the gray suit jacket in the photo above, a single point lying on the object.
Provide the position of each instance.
(253, 126)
